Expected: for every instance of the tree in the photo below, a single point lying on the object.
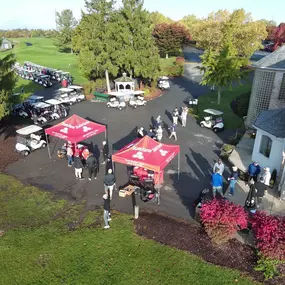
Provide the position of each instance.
(223, 67)
(65, 24)
(170, 38)
(157, 18)
(8, 81)
(188, 21)
(247, 34)
(279, 36)
(93, 41)
(135, 50)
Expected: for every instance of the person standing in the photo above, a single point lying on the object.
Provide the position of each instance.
(78, 166)
(157, 122)
(159, 133)
(109, 183)
(105, 151)
(173, 132)
(233, 180)
(253, 171)
(69, 154)
(260, 189)
(184, 116)
(175, 116)
(140, 132)
(91, 164)
(219, 165)
(266, 176)
(217, 183)
(107, 207)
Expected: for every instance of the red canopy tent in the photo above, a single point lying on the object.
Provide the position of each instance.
(75, 129)
(147, 153)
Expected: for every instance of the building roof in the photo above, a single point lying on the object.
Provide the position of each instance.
(273, 60)
(5, 41)
(124, 78)
(272, 122)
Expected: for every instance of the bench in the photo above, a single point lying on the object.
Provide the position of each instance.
(100, 97)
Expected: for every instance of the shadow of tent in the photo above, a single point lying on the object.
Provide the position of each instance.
(124, 141)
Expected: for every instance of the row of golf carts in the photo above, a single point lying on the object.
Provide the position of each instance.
(39, 110)
(121, 101)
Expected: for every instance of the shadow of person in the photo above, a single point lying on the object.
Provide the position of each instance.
(169, 115)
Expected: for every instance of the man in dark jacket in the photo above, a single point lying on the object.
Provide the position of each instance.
(260, 189)
(253, 171)
(107, 207)
(109, 183)
(105, 151)
(91, 164)
(78, 166)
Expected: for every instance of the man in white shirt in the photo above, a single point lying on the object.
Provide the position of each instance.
(220, 166)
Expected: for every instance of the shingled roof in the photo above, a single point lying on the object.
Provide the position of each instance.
(273, 60)
(272, 122)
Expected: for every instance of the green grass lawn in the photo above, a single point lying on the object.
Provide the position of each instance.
(209, 100)
(39, 248)
(45, 53)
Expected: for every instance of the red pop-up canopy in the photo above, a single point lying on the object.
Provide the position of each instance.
(75, 129)
(147, 153)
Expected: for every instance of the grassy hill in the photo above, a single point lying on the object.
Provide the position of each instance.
(42, 51)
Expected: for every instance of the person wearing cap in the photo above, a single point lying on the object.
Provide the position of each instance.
(175, 116)
(78, 166)
(140, 132)
(109, 183)
(173, 132)
(233, 180)
(105, 151)
(266, 176)
(106, 214)
(253, 171)
(219, 164)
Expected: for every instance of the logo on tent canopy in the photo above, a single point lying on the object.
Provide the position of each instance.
(138, 155)
(64, 130)
(86, 129)
(163, 152)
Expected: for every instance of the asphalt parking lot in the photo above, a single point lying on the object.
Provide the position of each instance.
(199, 150)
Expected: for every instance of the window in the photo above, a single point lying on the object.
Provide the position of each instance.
(282, 89)
(128, 86)
(265, 146)
(121, 87)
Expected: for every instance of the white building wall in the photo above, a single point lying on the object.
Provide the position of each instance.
(275, 158)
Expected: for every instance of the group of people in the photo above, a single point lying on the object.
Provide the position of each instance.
(258, 184)
(157, 132)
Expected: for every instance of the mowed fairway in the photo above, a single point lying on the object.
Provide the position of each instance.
(43, 51)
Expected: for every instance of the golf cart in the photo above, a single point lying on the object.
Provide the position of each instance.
(58, 109)
(35, 99)
(213, 119)
(116, 102)
(137, 99)
(29, 138)
(77, 92)
(163, 83)
(65, 96)
(45, 81)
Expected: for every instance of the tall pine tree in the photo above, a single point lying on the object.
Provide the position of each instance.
(135, 52)
(92, 40)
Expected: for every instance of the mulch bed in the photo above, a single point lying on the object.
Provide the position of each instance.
(191, 237)
(156, 94)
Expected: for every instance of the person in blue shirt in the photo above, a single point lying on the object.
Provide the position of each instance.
(173, 132)
(253, 171)
(233, 180)
(217, 183)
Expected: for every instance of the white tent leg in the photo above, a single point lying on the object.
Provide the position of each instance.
(178, 171)
(48, 147)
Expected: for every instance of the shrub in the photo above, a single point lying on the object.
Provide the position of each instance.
(227, 148)
(269, 233)
(240, 104)
(222, 219)
(180, 59)
(268, 266)
(98, 85)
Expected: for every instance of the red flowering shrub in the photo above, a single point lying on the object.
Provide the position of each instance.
(269, 232)
(222, 219)
(180, 59)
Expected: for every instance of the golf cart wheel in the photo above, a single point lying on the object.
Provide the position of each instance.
(25, 153)
(215, 130)
(44, 145)
(120, 108)
(70, 103)
(144, 103)
(202, 125)
(108, 105)
(135, 106)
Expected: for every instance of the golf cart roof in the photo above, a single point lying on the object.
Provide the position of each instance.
(163, 78)
(29, 130)
(65, 90)
(213, 112)
(45, 76)
(53, 102)
(59, 71)
(16, 94)
(41, 105)
(35, 97)
(64, 72)
(138, 92)
(75, 87)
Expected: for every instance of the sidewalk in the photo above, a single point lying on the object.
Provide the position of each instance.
(271, 203)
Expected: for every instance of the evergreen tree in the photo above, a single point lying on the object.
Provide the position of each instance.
(7, 82)
(135, 52)
(93, 42)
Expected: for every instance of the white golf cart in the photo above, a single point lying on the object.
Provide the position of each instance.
(213, 119)
(163, 83)
(57, 108)
(29, 138)
(137, 99)
(116, 102)
(65, 96)
(77, 92)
